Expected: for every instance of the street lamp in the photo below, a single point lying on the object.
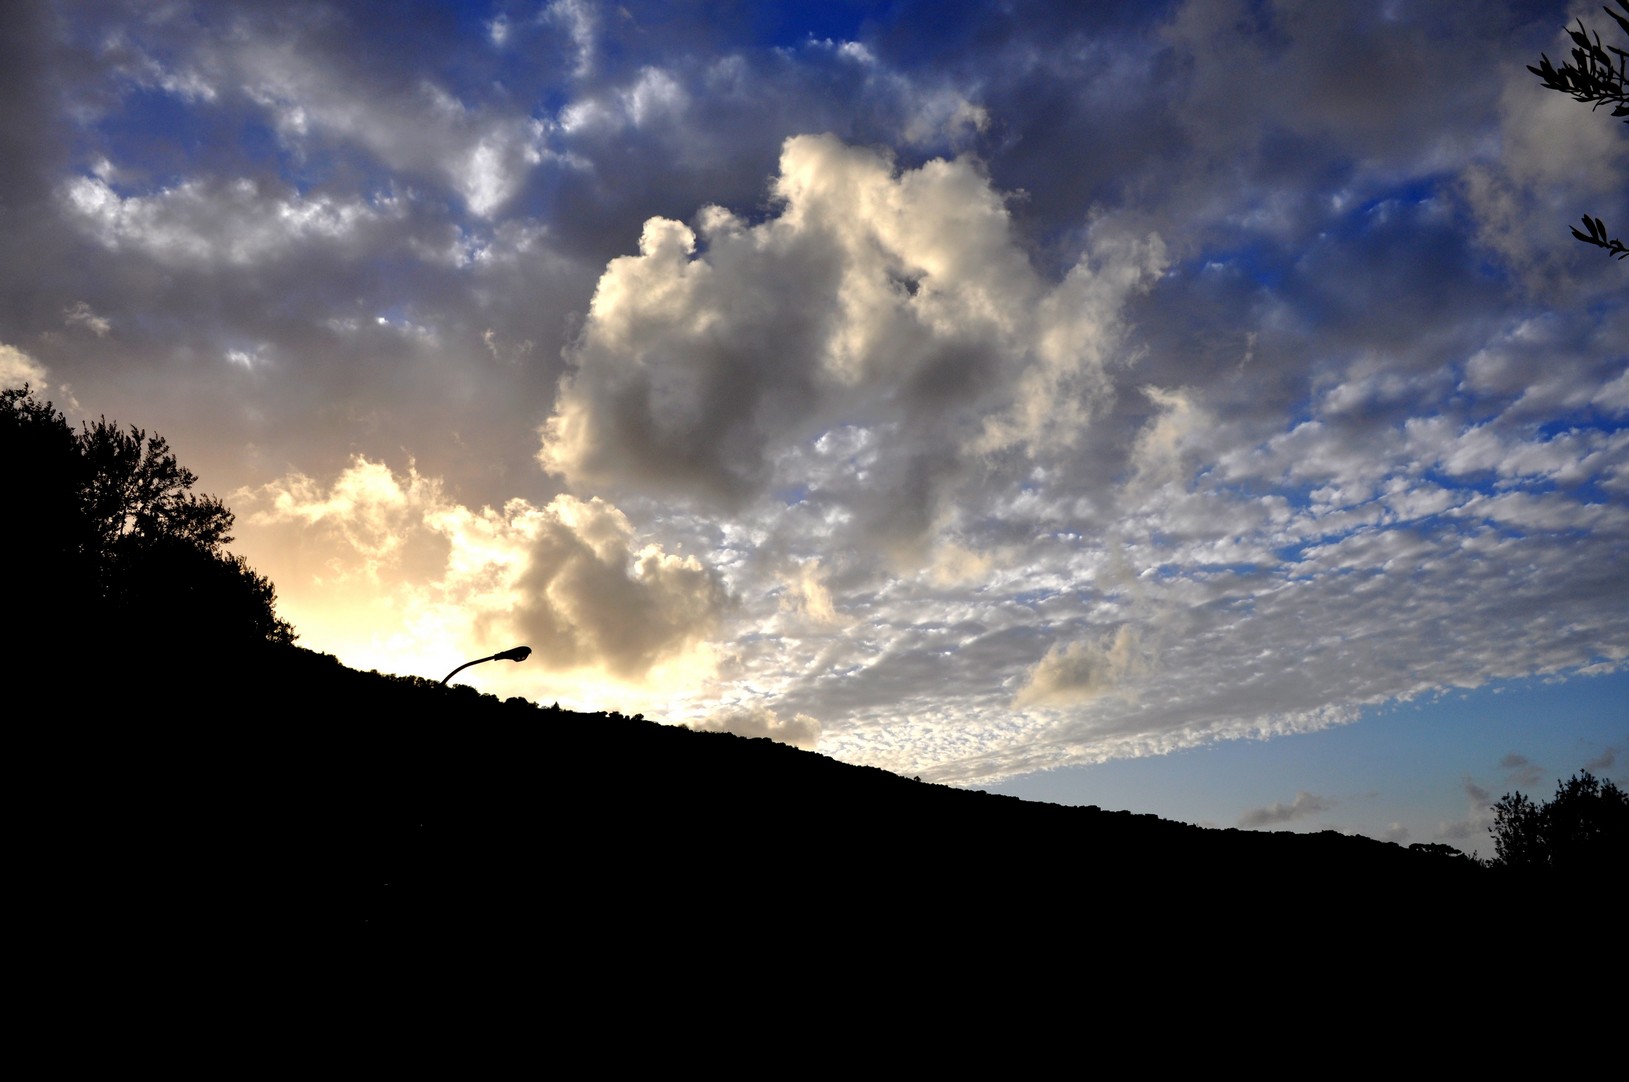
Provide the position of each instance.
(515, 653)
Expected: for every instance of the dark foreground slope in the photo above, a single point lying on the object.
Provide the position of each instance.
(255, 796)
(239, 851)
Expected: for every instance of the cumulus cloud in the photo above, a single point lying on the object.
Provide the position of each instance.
(590, 596)
(570, 577)
(1304, 805)
(886, 299)
(18, 368)
(800, 730)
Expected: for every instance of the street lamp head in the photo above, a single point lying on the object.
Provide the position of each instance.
(518, 653)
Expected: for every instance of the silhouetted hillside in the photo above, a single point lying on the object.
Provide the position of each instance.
(274, 791)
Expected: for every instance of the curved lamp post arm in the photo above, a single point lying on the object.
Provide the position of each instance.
(518, 653)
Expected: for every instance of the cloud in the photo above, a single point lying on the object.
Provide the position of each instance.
(1554, 157)
(569, 578)
(80, 315)
(655, 97)
(367, 507)
(801, 730)
(809, 595)
(1305, 804)
(589, 596)
(1478, 815)
(1163, 453)
(578, 17)
(1081, 671)
(303, 72)
(1520, 771)
(18, 368)
(926, 112)
(883, 299)
(236, 223)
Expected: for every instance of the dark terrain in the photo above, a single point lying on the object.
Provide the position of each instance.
(379, 806)
(293, 842)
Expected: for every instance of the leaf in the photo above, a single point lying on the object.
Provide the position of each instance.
(1621, 21)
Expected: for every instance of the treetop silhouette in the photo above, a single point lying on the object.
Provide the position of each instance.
(112, 536)
(136, 491)
(1583, 829)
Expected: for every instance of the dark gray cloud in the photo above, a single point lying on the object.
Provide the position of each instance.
(1520, 771)
(1305, 804)
(1478, 816)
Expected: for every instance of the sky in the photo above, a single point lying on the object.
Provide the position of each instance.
(1199, 407)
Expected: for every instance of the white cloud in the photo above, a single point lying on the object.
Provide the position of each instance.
(18, 368)
(483, 154)
(569, 578)
(759, 721)
(200, 224)
(654, 97)
(874, 298)
(81, 315)
(578, 17)
(1614, 396)
(931, 113)
(367, 506)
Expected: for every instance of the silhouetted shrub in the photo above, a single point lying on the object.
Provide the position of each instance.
(1584, 828)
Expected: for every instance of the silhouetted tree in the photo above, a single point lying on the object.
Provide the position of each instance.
(50, 575)
(1438, 849)
(111, 532)
(136, 492)
(1592, 78)
(1584, 827)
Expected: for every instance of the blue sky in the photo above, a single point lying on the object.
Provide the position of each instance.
(1421, 771)
(1200, 408)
